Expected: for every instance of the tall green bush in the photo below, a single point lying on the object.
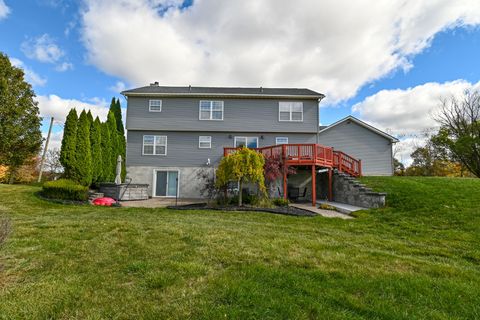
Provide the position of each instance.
(107, 170)
(67, 150)
(114, 140)
(116, 109)
(96, 148)
(83, 155)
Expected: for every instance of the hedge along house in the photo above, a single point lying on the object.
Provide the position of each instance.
(173, 133)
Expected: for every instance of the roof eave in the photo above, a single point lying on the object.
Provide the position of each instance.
(223, 95)
(363, 124)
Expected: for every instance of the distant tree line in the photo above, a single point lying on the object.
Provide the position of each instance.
(90, 148)
(454, 150)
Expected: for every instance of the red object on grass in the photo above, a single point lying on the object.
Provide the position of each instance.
(105, 201)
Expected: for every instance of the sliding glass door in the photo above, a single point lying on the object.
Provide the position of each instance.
(166, 184)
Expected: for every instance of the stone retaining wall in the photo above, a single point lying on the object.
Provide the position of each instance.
(347, 189)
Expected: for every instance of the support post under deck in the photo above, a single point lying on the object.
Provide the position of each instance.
(330, 184)
(314, 186)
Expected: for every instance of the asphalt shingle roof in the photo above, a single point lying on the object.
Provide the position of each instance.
(225, 91)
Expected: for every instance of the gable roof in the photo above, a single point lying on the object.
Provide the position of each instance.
(360, 123)
(156, 90)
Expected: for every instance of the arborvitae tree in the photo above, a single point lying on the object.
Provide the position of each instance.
(115, 107)
(96, 147)
(114, 139)
(107, 170)
(90, 117)
(20, 135)
(83, 155)
(67, 151)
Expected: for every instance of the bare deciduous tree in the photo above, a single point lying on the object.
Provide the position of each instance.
(52, 162)
(459, 119)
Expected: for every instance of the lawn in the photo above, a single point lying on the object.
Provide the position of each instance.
(417, 259)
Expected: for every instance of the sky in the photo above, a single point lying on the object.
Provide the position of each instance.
(388, 63)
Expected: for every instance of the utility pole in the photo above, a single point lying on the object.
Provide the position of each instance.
(45, 150)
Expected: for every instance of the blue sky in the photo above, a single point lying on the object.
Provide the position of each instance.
(81, 53)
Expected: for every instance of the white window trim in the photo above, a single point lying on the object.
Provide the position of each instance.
(291, 120)
(211, 110)
(276, 140)
(154, 185)
(150, 105)
(246, 141)
(154, 154)
(210, 142)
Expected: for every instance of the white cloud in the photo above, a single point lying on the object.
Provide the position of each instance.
(43, 49)
(64, 66)
(118, 87)
(333, 46)
(411, 110)
(4, 10)
(57, 107)
(30, 76)
(408, 113)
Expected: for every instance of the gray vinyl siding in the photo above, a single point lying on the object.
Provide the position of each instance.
(361, 143)
(183, 151)
(245, 115)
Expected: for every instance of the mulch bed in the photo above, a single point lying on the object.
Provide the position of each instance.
(290, 211)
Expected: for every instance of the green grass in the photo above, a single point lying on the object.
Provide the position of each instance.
(417, 259)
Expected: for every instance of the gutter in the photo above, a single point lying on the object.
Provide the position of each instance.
(152, 94)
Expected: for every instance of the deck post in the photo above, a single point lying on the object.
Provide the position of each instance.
(360, 167)
(285, 170)
(330, 184)
(314, 186)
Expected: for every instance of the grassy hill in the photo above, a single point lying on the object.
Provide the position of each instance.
(417, 258)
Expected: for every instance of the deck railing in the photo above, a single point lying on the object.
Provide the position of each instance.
(310, 154)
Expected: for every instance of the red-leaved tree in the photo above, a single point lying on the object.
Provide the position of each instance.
(273, 169)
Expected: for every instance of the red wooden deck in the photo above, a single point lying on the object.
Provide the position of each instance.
(310, 155)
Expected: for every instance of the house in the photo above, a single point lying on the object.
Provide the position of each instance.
(362, 141)
(173, 133)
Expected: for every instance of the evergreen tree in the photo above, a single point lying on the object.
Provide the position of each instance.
(114, 141)
(107, 170)
(96, 150)
(115, 107)
(20, 135)
(90, 117)
(83, 155)
(67, 150)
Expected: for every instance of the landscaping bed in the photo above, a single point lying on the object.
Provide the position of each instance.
(286, 210)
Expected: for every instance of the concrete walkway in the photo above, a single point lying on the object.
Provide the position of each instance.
(342, 207)
(322, 212)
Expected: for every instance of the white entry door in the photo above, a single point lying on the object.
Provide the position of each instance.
(166, 183)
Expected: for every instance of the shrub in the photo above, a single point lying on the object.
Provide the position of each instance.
(281, 202)
(64, 189)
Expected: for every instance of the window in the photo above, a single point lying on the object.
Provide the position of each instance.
(249, 142)
(211, 110)
(155, 106)
(281, 140)
(290, 111)
(205, 142)
(155, 145)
